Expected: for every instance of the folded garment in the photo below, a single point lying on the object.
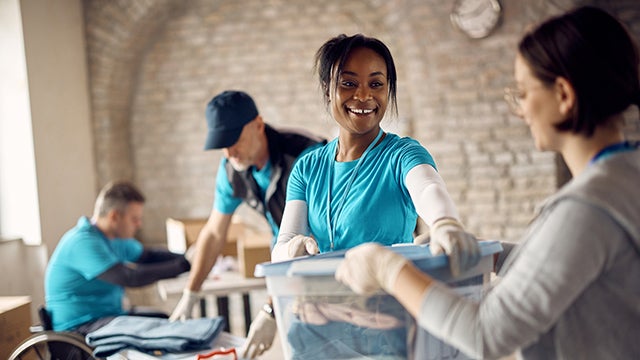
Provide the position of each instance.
(322, 313)
(340, 340)
(154, 335)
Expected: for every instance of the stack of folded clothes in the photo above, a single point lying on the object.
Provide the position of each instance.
(154, 335)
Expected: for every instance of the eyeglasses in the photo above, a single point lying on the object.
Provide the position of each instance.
(513, 97)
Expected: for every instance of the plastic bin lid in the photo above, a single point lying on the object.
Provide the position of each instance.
(327, 263)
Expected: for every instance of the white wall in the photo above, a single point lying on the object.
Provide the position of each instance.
(27, 265)
(18, 192)
(51, 125)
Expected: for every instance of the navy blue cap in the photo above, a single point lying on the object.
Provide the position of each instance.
(226, 114)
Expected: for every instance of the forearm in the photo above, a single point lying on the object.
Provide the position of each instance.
(409, 288)
(153, 255)
(565, 250)
(209, 244)
(135, 275)
(429, 194)
(294, 222)
(208, 248)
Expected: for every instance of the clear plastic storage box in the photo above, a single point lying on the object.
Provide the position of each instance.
(320, 318)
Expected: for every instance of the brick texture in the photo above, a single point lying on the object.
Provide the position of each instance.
(154, 64)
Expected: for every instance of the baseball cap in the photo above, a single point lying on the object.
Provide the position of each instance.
(226, 114)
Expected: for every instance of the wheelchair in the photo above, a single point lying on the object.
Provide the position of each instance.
(47, 344)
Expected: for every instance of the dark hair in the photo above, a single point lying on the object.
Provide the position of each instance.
(116, 195)
(335, 51)
(596, 54)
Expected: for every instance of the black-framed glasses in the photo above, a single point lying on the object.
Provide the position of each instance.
(513, 97)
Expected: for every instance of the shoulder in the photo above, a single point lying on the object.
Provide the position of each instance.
(316, 155)
(610, 186)
(610, 181)
(393, 142)
(404, 141)
(406, 149)
(83, 230)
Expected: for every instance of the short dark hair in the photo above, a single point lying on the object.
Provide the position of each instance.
(335, 51)
(116, 196)
(595, 53)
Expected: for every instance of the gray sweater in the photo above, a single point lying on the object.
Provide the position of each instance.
(570, 289)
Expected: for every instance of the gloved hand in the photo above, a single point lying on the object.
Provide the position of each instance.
(448, 236)
(369, 267)
(184, 308)
(301, 245)
(422, 239)
(261, 334)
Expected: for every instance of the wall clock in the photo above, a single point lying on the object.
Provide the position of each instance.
(476, 18)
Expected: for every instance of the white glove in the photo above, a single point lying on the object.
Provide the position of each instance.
(184, 308)
(422, 239)
(301, 245)
(369, 267)
(448, 236)
(261, 334)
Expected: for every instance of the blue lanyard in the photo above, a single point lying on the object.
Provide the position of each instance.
(613, 149)
(354, 174)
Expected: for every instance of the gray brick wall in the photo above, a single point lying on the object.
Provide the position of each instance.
(155, 64)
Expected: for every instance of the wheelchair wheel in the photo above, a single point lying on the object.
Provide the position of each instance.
(51, 345)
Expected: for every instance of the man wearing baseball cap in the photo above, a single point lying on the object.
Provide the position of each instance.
(255, 169)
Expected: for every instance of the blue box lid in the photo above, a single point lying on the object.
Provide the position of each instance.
(326, 264)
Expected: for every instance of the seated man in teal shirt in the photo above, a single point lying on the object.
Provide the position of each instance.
(95, 260)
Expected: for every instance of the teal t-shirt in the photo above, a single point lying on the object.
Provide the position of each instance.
(226, 203)
(376, 208)
(73, 293)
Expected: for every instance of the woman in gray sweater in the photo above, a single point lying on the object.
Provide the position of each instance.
(570, 289)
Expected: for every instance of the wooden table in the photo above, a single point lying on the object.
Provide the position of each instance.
(221, 286)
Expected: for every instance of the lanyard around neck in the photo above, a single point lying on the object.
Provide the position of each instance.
(354, 174)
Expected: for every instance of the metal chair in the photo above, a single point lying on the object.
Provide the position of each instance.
(47, 344)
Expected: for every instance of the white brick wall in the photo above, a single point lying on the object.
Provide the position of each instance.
(155, 64)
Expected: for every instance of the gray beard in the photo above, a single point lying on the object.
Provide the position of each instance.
(238, 167)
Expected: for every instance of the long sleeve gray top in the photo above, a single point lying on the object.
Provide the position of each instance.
(570, 289)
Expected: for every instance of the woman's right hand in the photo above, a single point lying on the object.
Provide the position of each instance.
(301, 245)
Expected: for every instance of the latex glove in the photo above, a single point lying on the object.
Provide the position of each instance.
(448, 236)
(261, 334)
(301, 245)
(184, 308)
(369, 267)
(422, 239)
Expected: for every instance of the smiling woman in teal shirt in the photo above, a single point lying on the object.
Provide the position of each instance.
(376, 207)
(366, 185)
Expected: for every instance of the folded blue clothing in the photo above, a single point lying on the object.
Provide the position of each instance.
(154, 335)
(340, 340)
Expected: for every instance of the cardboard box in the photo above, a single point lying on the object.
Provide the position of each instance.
(254, 247)
(182, 233)
(15, 320)
(320, 318)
